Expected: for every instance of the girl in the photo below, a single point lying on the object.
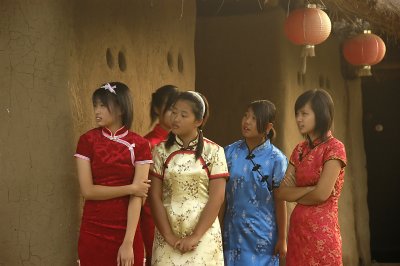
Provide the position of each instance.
(314, 180)
(189, 176)
(113, 165)
(160, 109)
(255, 222)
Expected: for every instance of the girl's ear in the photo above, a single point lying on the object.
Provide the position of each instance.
(268, 127)
(198, 122)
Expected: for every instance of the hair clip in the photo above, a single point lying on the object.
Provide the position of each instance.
(109, 88)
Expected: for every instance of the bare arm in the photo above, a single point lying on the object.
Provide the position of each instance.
(288, 191)
(325, 185)
(207, 216)
(125, 253)
(159, 213)
(221, 214)
(98, 192)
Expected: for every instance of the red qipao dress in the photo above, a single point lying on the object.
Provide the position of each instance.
(112, 158)
(156, 136)
(314, 233)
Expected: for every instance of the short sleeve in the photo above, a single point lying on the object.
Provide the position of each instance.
(279, 170)
(142, 152)
(218, 167)
(157, 168)
(84, 149)
(335, 151)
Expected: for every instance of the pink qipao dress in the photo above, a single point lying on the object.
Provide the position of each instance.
(314, 233)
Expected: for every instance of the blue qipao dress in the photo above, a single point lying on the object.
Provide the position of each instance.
(250, 230)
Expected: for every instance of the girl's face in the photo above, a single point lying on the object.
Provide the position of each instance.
(183, 120)
(110, 119)
(164, 117)
(249, 125)
(305, 119)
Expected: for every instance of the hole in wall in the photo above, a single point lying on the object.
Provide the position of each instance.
(121, 61)
(170, 61)
(109, 58)
(180, 63)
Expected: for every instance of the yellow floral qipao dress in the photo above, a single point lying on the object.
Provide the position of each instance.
(184, 195)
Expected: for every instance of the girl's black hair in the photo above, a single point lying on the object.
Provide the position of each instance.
(264, 111)
(197, 108)
(322, 105)
(162, 97)
(121, 98)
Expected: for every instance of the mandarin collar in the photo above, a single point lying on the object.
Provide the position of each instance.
(263, 145)
(192, 144)
(120, 133)
(320, 140)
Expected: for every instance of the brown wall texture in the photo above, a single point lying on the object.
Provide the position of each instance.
(53, 54)
(243, 58)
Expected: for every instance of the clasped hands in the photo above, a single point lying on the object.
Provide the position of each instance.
(184, 244)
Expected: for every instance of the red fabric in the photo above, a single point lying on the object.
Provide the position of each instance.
(157, 135)
(314, 233)
(104, 221)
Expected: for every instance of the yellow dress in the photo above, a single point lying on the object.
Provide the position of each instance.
(185, 194)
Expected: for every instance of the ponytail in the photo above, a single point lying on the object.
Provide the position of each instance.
(200, 145)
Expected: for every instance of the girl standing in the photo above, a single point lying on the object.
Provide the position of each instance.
(314, 180)
(189, 176)
(113, 165)
(255, 221)
(160, 109)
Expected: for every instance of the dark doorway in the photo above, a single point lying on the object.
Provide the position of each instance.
(381, 115)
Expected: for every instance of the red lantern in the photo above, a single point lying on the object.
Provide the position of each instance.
(307, 26)
(364, 50)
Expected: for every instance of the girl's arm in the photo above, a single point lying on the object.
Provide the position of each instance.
(325, 185)
(208, 215)
(281, 221)
(97, 192)
(288, 191)
(159, 214)
(221, 215)
(125, 252)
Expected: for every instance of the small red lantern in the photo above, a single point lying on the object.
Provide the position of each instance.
(364, 50)
(307, 26)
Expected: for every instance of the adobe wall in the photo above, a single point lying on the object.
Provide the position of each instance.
(53, 54)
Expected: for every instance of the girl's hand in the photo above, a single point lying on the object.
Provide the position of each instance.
(172, 240)
(188, 243)
(140, 188)
(281, 249)
(125, 254)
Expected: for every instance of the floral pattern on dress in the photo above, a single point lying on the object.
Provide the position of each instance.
(314, 233)
(185, 194)
(250, 230)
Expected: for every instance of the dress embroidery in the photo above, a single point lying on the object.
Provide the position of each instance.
(250, 230)
(185, 194)
(314, 233)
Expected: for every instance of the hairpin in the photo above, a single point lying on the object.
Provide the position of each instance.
(109, 88)
(203, 104)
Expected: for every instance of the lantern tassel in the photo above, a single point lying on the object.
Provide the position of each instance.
(364, 71)
(308, 50)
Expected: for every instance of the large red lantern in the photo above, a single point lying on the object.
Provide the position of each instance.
(364, 50)
(307, 26)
